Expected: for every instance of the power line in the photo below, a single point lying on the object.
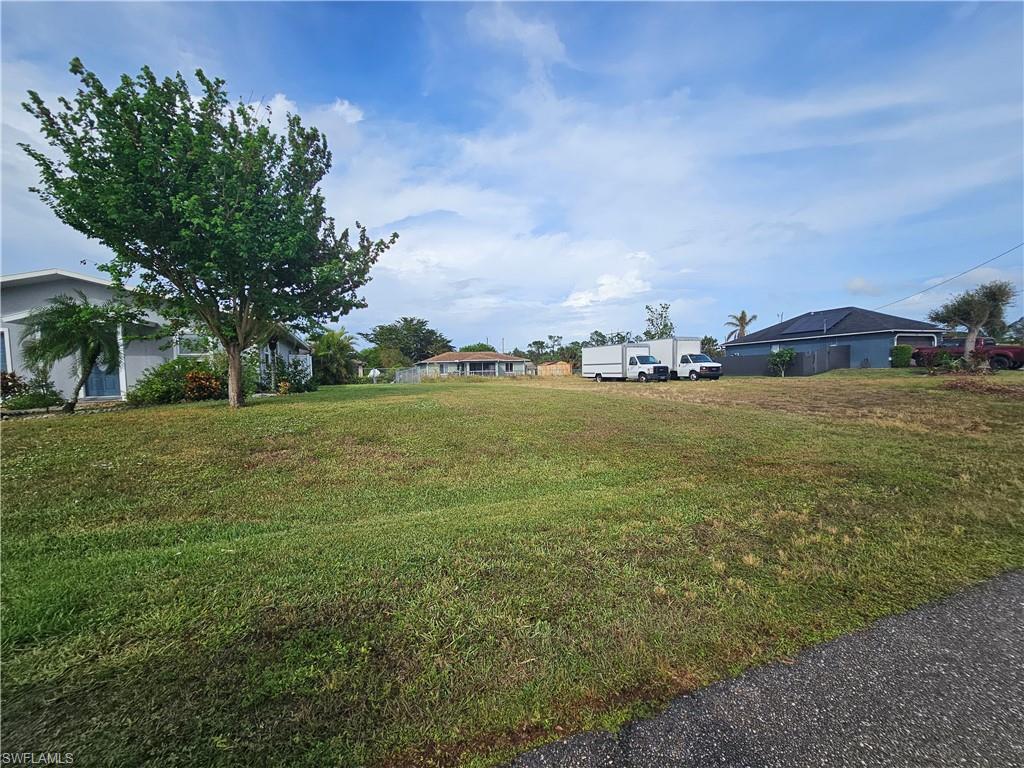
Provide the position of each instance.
(954, 277)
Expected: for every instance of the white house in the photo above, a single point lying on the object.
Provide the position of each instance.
(472, 364)
(23, 292)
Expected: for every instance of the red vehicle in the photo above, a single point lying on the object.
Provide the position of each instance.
(1001, 357)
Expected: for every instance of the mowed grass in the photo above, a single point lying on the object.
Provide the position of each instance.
(449, 573)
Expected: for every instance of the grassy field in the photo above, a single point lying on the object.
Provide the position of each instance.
(449, 573)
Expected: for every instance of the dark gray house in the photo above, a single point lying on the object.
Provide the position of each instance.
(869, 334)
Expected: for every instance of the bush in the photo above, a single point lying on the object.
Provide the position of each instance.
(936, 358)
(900, 355)
(37, 393)
(11, 384)
(166, 383)
(202, 385)
(294, 374)
(781, 359)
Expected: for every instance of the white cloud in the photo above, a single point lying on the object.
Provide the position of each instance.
(609, 288)
(347, 111)
(861, 286)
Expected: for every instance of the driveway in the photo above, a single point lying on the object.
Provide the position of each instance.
(942, 685)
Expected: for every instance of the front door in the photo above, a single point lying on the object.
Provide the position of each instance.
(102, 383)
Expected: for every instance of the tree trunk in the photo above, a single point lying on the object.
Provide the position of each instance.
(69, 406)
(969, 343)
(236, 395)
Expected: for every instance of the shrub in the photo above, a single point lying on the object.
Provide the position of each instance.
(37, 393)
(936, 358)
(781, 359)
(202, 385)
(900, 355)
(11, 384)
(166, 383)
(294, 374)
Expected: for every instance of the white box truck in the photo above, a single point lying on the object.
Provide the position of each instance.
(623, 361)
(676, 352)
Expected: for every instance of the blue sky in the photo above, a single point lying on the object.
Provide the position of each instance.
(552, 168)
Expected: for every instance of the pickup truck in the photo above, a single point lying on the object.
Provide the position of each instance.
(1001, 357)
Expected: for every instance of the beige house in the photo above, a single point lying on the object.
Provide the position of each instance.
(472, 364)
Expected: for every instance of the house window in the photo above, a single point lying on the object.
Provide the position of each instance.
(5, 365)
(509, 367)
(775, 347)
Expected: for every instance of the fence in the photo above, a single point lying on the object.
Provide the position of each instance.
(804, 364)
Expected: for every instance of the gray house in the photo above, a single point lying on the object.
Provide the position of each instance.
(870, 335)
(472, 364)
(23, 292)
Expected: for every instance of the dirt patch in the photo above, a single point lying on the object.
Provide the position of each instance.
(984, 386)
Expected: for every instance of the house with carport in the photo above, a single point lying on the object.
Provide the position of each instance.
(472, 364)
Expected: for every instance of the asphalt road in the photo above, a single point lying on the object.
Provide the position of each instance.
(942, 685)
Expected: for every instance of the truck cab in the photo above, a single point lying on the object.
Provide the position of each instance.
(698, 366)
(644, 367)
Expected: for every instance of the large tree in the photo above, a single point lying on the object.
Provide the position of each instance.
(659, 323)
(220, 220)
(412, 336)
(982, 308)
(87, 333)
(739, 324)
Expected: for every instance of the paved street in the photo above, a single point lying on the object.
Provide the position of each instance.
(939, 686)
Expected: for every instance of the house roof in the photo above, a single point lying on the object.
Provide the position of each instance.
(834, 322)
(472, 357)
(43, 275)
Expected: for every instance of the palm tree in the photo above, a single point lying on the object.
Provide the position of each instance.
(333, 352)
(79, 329)
(739, 324)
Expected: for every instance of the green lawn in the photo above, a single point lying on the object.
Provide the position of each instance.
(449, 573)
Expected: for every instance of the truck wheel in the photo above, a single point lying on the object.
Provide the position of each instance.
(642, 378)
(598, 378)
(999, 363)
(693, 376)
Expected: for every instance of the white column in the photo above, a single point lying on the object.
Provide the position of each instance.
(123, 370)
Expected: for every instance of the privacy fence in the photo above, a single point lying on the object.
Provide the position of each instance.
(804, 364)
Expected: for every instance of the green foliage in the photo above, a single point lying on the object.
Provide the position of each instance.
(78, 329)
(384, 357)
(739, 324)
(478, 347)
(978, 309)
(297, 376)
(168, 382)
(709, 346)
(781, 359)
(936, 358)
(900, 355)
(659, 323)
(221, 221)
(37, 392)
(333, 353)
(411, 336)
